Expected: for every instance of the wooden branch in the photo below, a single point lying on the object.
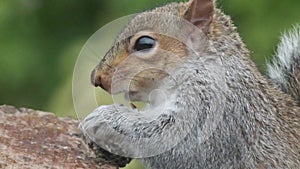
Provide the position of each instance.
(35, 139)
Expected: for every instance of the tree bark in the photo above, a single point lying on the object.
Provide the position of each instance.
(35, 139)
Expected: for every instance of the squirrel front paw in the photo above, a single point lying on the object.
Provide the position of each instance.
(96, 122)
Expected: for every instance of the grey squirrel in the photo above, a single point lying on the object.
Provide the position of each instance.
(217, 111)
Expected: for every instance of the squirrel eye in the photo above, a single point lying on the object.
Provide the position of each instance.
(144, 43)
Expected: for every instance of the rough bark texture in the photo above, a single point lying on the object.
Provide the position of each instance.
(35, 139)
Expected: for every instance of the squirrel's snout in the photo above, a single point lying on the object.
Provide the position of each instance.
(96, 81)
(99, 80)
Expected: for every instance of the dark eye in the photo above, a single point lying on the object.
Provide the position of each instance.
(144, 43)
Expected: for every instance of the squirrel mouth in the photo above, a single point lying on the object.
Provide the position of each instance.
(132, 96)
(129, 94)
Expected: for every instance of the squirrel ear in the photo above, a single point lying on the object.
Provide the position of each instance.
(200, 13)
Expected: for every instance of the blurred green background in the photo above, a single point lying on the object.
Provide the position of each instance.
(40, 41)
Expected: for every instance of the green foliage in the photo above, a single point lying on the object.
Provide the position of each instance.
(35, 35)
(134, 165)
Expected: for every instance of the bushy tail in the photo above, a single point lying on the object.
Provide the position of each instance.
(284, 69)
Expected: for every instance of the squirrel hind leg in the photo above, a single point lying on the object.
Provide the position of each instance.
(284, 69)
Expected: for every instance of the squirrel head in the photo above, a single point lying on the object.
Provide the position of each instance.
(149, 47)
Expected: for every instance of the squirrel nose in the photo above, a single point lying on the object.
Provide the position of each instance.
(96, 81)
(99, 81)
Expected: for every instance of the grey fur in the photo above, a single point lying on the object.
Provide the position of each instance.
(258, 126)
